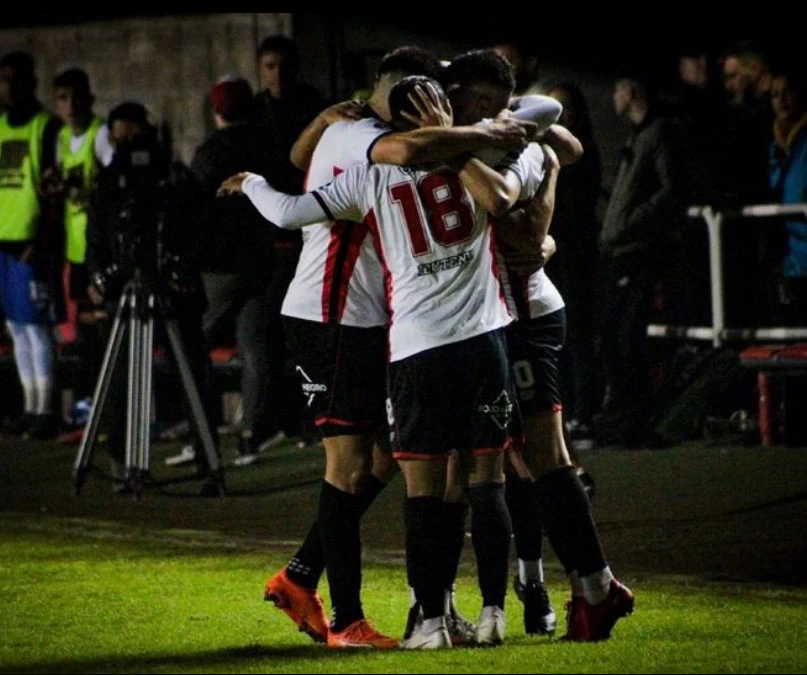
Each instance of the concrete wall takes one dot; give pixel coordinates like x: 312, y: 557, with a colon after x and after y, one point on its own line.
x: 166, y: 63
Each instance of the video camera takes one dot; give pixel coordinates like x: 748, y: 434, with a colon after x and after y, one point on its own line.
x: 141, y: 204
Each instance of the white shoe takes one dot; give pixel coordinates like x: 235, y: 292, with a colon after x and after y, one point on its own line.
x: 187, y: 456
x: 272, y: 442
x: 492, y: 628
x: 429, y: 637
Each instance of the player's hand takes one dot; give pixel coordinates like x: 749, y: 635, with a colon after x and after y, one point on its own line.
x: 433, y: 110
x: 511, y: 135
x: 349, y: 111
x: 233, y: 185
x: 529, y: 259
x: 52, y: 186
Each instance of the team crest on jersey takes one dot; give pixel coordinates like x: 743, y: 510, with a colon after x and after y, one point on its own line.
x: 501, y: 412
x: 310, y: 388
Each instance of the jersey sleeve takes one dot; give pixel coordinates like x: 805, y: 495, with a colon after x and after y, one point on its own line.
x: 362, y: 137
x: 529, y: 169
x: 339, y: 200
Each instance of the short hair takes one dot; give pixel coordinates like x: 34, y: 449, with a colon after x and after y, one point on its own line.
x: 410, y: 60
x: 481, y: 66
x: 644, y: 83
x: 399, y: 101
x: 129, y: 112
x: 281, y: 44
x: 22, y: 64
x: 75, y: 79
x: 747, y: 51
x: 796, y: 79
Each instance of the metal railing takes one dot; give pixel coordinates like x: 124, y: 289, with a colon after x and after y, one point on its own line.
x: 718, y: 334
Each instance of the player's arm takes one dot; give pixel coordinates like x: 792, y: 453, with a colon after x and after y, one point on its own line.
x: 303, y: 150
x: 566, y: 145
x: 434, y: 144
x: 339, y: 200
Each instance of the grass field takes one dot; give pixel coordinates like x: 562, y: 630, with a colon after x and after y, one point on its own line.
x: 99, y: 599
x: 704, y: 535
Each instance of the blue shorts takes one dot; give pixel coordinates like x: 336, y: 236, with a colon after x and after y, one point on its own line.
x: 26, y: 292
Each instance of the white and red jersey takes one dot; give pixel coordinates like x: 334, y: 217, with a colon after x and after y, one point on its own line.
x: 536, y: 296
x: 436, y: 247
x: 339, y: 277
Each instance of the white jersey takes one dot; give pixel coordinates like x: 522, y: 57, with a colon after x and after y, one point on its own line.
x: 537, y: 296
x: 436, y: 246
x: 339, y: 277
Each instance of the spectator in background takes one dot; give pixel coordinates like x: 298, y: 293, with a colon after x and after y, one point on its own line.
x: 789, y: 182
x: 525, y: 66
x: 286, y: 107
x: 574, y: 267
x: 237, y: 259
x: 82, y: 149
x: 744, y: 139
x: 645, y: 211
x: 29, y: 274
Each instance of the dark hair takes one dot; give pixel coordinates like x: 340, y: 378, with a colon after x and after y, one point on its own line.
x: 75, y: 79
x: 645, y: 83
x: 129, y: 112
x: 411, y: 60
x: 21, y: 63
x: 481, y: 66
x: 399, y: 102
x: 746, y: 50
x: 796, y: 79
x: 280, y: 44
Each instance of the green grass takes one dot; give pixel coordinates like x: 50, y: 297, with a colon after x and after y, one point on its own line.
x: 80, y: 598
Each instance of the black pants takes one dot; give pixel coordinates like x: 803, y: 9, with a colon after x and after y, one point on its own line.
x: 187, y: 312
x: 285, y: 400
x: 235, y: 298
x: 627, y: 286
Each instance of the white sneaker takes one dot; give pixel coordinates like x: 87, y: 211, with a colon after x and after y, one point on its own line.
x: 272, y: 442
x: 187, y: 456
x: 429, y: 637
x: 492, y: 628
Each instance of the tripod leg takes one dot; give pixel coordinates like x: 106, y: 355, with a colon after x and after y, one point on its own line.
x: 134, y: 393
x: 200, y: 420
x: 146, y: 389
x: 113, y: 349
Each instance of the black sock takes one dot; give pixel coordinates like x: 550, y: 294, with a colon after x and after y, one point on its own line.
x: 454, y: 520
x: 492, y: 531
x: 527, y: 529
x: 308, y: 565
x: 424, y: 543
x: 341, y: 540
x: 566, y: 515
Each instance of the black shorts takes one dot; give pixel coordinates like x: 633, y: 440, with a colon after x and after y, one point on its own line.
x: 457, y: 397
x: 535, y: 347
x: 343, y: 373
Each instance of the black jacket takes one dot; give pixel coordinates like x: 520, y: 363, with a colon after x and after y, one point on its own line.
x: 237, y: 239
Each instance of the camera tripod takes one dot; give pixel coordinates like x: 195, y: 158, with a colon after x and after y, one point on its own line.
x: 138, y: 309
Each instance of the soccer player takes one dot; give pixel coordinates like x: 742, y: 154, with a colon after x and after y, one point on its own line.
x: 447, y: 352
x: 336, y: 316
x: 28, y: 275
x: 479, y: 84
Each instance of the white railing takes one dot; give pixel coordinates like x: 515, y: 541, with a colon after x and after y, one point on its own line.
x: 719, y: 333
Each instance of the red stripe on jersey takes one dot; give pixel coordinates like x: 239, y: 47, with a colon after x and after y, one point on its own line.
x: 331, y: 265
x: 494, y: 255
x: 371, y: 222
x: 490, y: 452
x: 322, y: 421
x: 354, y: 238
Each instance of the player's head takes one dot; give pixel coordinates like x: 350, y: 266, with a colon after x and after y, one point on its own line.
x: 479, y: 85
x: 17, y: 79
x: 74, y: 98
x: 395, y: 66
x: 400, y: 101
